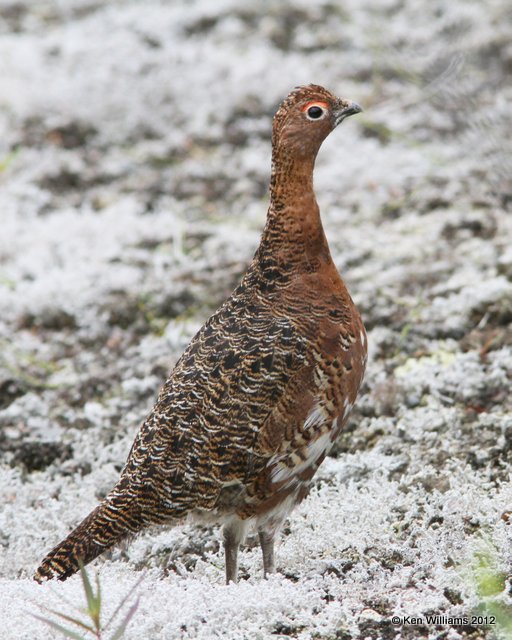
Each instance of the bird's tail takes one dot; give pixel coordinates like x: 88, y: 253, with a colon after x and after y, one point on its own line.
x: 114, y: 519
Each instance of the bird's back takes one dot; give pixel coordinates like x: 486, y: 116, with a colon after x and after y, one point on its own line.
x: 200, y: 436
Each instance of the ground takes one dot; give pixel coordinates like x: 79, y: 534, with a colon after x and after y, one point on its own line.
x: 134, y: 163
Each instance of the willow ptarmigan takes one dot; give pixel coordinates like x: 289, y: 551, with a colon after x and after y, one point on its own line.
x: 261, y: 393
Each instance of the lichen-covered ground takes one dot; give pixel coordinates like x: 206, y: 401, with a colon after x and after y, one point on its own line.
x: 134, y: 161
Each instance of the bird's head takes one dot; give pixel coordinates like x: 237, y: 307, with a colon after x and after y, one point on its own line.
x: 306, y: 117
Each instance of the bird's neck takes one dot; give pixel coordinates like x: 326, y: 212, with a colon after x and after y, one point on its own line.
x: 293, y: 239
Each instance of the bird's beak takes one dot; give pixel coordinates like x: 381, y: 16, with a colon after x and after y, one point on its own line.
x: 346, y: 109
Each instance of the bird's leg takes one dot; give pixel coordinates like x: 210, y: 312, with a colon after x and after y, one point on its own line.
x: 267, y: 548
x: 233, y: 534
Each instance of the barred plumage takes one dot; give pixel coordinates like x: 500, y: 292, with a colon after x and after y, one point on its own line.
x: 262, y: 391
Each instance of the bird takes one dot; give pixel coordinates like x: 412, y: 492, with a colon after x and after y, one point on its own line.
x: 264, y: 388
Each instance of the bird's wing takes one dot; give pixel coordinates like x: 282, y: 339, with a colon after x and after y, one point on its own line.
x: 205, y: 431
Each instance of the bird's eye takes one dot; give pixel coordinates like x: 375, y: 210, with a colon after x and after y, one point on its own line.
x: 315, y: 112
